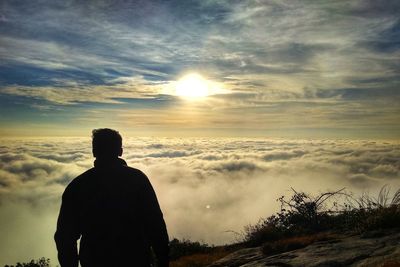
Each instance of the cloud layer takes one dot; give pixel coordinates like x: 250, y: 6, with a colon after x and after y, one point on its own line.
x: 335, y: 64
x: 206, y: 187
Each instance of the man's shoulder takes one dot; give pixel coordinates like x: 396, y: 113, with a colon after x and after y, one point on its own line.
x: 134, y: 173
x: 89, y: 176
x: 83, y: 176
x: 80, y: 179
x: 132, y: 170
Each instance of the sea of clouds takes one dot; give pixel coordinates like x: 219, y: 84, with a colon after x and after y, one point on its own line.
x: 208, y: 189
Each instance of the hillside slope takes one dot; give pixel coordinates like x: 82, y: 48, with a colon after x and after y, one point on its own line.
x: 378, y: 248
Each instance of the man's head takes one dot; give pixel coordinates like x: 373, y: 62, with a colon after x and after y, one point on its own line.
x: 106, y: 143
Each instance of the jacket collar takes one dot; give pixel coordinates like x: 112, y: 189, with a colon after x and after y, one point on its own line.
x: 109, y: 162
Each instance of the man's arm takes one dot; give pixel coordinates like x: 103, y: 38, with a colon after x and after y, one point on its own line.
x: 154, y: 224
x: 67, y: 231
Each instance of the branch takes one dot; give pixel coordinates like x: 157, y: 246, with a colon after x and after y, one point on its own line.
x: 323, y: 197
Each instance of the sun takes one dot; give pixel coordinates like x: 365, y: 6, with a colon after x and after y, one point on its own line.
x: 192, y: 86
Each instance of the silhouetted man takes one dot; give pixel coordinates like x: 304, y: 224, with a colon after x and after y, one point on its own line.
x: 114, y: 211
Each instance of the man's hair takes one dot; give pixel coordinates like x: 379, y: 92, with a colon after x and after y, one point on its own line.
x: 106, y: 143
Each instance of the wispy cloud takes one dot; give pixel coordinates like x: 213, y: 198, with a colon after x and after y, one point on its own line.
x: 264, y: 52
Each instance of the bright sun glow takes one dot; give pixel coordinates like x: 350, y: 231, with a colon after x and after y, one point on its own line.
x: 193, y: 86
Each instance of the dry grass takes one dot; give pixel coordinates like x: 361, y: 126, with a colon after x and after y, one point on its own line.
x: 297, y: 242
x: 391, y: 263
x: 200, y: 259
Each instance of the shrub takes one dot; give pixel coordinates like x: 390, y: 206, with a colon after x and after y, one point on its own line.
x: 185, y: 247
x: 304, y: 215
x: 257, y: 234
x: 386, y: 217
x: 299, y: 215
x: 369, y: 213
x: 42, y: 262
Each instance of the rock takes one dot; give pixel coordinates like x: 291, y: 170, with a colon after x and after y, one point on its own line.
x: 240, y: 257
x: 367, y: 250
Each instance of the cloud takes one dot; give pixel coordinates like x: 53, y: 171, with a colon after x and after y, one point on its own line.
x: 67, y: 93
x: 236, y: 166
x: 310, y: 44
x: 304, y: 65
x: 238, y: 179
x: 282, y: 155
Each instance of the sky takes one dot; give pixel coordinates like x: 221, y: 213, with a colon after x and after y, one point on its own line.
x: 285, y: 69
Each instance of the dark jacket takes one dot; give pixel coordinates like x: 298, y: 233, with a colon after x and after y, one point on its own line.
x: 113, y: 209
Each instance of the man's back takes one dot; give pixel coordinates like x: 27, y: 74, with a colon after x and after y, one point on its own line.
x: 115, y: 210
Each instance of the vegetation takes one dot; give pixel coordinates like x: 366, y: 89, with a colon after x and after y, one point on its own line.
x: 296, y: 242
x: 304, y: 219
x: 42, y: 262
x: 184, y: 253
x: 200, y: 259
x: 181, y: 248
x: 391, y: 263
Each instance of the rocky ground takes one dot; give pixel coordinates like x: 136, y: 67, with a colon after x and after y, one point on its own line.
x: 378, y: 248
